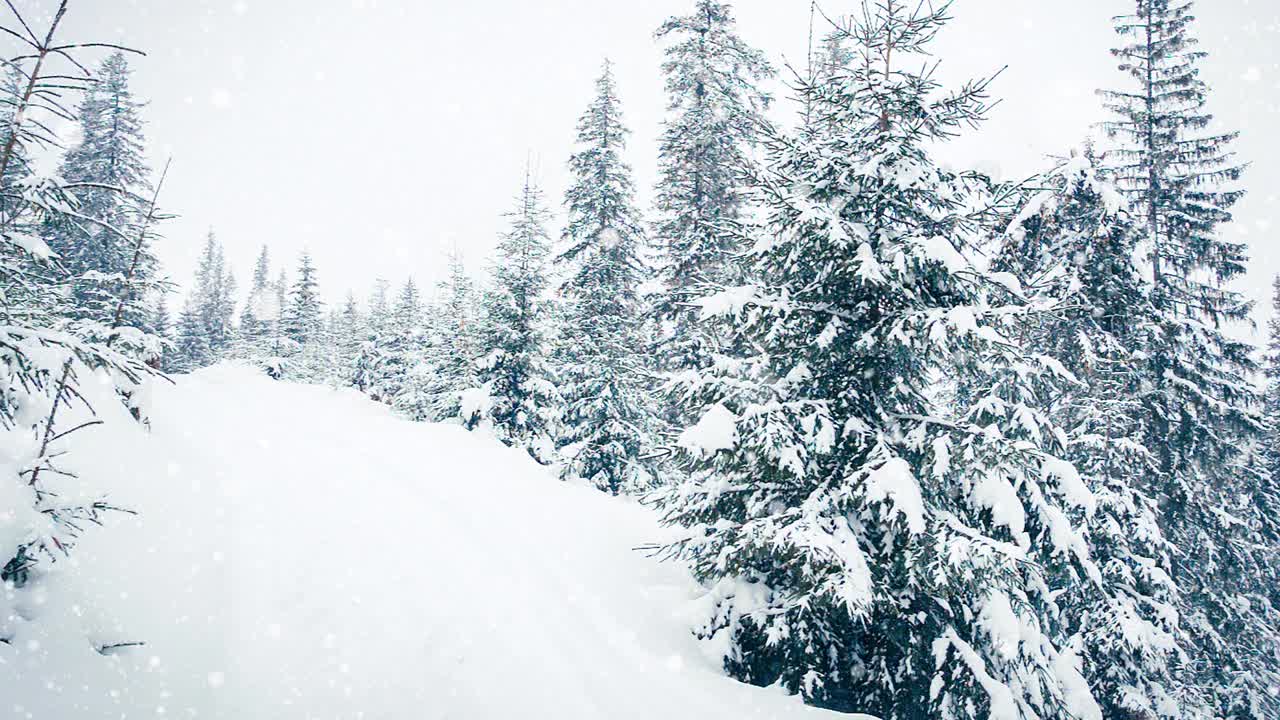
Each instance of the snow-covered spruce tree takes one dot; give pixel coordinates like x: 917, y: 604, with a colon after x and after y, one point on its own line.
x: 1272, y: 443
x: 108, y: 173
x: 50, y: 371
x: 1181, y: 179
x: 205, y: 332
x: 221, y: 320
x: 255, y: 330
x: 347, y: 328
x: 316, y: 359
x: 280, y: 342
x: 520, y: 401
x: 161, y: 325
x: 303, y: 315
x: 191, y: 341
x: 1076, y: 241
x: 408, y: 368
x: 873, y: 497
x: 370, y: 358
x: 453, y: 345
x: 600, y: 365
x: 714, y: 110
x: 1267, y: 608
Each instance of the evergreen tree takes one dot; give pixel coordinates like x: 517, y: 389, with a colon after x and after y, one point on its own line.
x: 49, y: 366
x: 315, y: 361
x: 303, y: 315
x: 600, y: 369
x: 400, y: 350
x: 191, y: 341
x: 281, y: 343
x: 108, y: 169
x: 205, y: 332
x: 873, y: 493
x: 161, y: 325
x: 13, y: 85
x: 1075, y: 242
x: 371, y: 356
x: 347, y: 330
x: 1181, y: 179
x: 453, y: 343
x: 521, y: 400
x: 1272, y: 370
x: 258, y: 312
x: 714, y: 111
x: 408, y: 371
x: 215, y: 292
x: 222, y: 329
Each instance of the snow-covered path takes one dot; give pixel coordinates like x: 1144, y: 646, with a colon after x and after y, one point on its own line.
x: 301, y: 553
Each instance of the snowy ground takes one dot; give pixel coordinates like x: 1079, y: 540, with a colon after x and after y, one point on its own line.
x: 301, y: 553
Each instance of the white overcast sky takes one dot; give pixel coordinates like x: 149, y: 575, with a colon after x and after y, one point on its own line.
x: 381, y: 133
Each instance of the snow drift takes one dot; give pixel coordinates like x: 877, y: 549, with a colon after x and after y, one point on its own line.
x: 301, y: 553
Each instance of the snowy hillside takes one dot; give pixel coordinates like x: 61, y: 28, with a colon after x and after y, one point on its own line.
x: 300, y: 553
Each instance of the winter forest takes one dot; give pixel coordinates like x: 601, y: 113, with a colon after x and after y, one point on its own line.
x: 824, y: 425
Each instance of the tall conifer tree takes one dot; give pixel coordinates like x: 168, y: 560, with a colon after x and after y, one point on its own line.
x: 205, y: 331
x: 1182, y: 179
x: 522, y: 400
x: 454, y: 345
x: 259, y: 311
x: 348, y: 328
x: 304, y: 313
x: 49, y: 366
x: 1075, y: 242
x: 109, y: 168
x: 407, y: 368
x: 371, y: 356
x: 873, y: 494
x: 714, y: 110
x: 600, y: 373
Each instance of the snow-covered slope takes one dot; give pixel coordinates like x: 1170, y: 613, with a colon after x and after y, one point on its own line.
x: 300, y: 553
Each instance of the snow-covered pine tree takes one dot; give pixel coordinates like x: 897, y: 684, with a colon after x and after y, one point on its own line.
x: 600, y: 365
x: 161, y: 325
x: 370, y: 359
x: 281, y: 344
x: 221, y: 321
x: 1272, y: 361
x: 520, y: 401
x: 205, y: 332
x: 1181, y: 179
x: 873, y: 497
x: 347, y: 329
x: 1267, y: 608
x: 304, y: 313
x: 44, y: 363
x: 108, y: 172
x: 1074, y: 240
x: 715, y: 108
x: 316, y: 359
x: 215, y: 289
x: 1272, y: 441
x: 191, y: 340
x: 454, y: 346
x: 408, y: 370
x: 258, y: 312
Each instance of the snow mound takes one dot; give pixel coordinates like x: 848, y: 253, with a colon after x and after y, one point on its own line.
x: 301, y: 553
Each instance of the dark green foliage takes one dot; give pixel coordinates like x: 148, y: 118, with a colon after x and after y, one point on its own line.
x: 1182, y: 181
